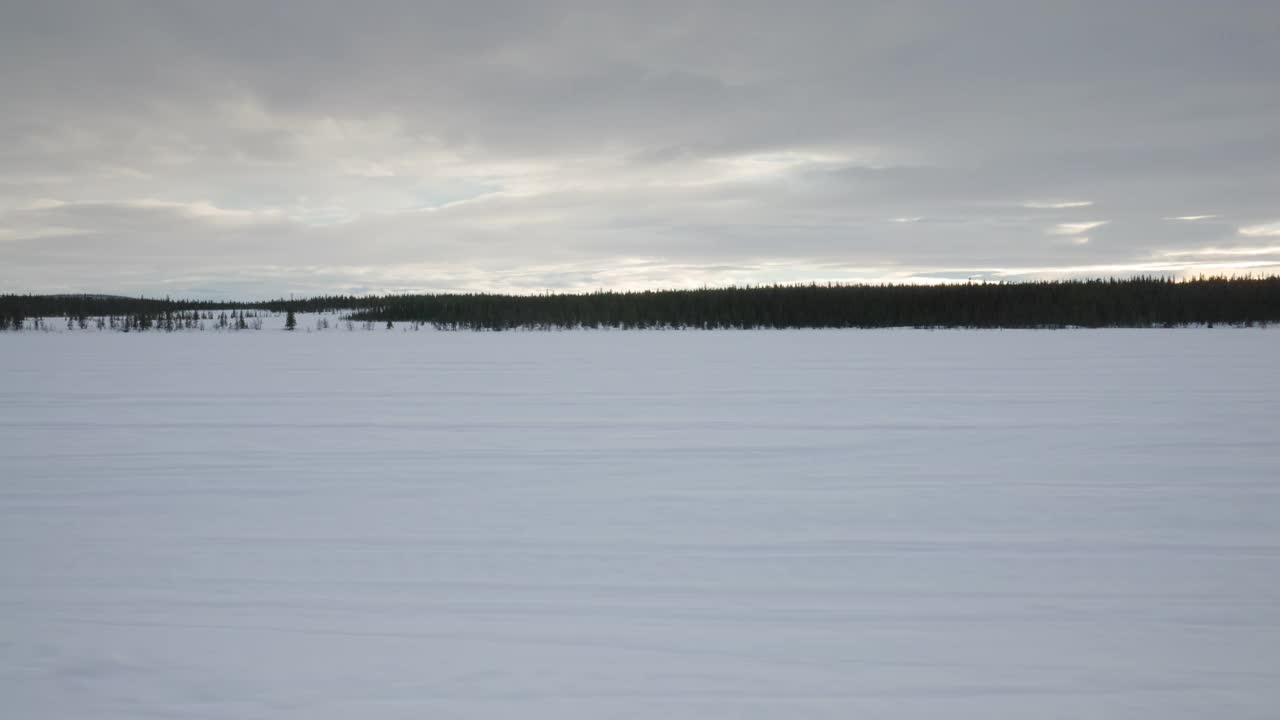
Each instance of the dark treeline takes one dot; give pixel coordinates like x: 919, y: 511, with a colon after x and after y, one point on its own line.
x: 125, y: 313
x: 1136, y: 302
x: 118, y: 305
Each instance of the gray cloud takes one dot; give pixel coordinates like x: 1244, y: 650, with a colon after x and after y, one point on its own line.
x: 235, y: 147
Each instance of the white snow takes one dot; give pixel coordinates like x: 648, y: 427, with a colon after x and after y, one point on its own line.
x: 888, y: 524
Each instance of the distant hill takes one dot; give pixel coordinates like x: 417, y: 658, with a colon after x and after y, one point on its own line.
x: 86, y: 296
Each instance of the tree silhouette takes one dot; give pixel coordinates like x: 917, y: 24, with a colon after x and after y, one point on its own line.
x: 1133, y: 302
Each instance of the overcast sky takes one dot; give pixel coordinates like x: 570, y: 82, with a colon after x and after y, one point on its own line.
x: 259, y: 148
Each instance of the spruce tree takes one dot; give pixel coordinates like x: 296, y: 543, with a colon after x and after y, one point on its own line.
x: 290, y: 322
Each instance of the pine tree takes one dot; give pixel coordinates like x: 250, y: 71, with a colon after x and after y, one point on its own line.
x: 290, y: 322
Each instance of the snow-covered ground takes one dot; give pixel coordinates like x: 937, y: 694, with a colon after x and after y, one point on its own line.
x: 896, y: 524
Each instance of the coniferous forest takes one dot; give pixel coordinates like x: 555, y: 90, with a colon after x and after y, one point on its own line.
x: 1135, y: 302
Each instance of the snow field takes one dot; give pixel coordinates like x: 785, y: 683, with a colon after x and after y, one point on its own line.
x: 812, y: 524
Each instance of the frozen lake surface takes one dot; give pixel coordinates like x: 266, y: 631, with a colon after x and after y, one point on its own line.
x: 818, y: 524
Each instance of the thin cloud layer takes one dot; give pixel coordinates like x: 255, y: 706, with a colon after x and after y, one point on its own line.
x: 238, y: 148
